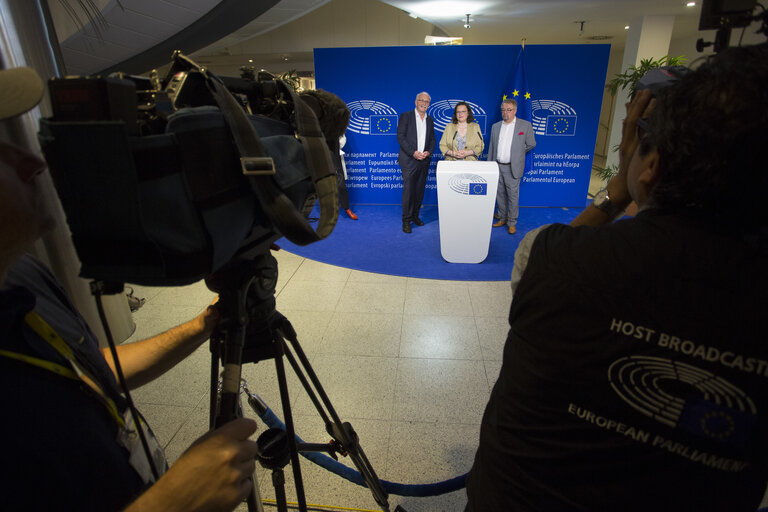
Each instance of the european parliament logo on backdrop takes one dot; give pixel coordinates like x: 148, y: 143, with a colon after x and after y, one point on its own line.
x: 371, y: 117
x: 468, y: 184
x: 442, y: 112
x: 551, y: 117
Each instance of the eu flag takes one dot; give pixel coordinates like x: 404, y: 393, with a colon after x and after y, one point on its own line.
x: 383, y: 125
x: 521, y: 93
x: 730, y: 428
x: 561, y: 125
x: 519, y: 90
x: 478, y: 189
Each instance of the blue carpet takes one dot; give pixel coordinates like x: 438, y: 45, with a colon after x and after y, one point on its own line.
x: 376, y: 243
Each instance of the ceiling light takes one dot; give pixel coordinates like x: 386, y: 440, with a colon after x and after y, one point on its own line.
x: 446, y: 9
x: 626, y: 27
x: 691, y: 4
x: 441, y: 41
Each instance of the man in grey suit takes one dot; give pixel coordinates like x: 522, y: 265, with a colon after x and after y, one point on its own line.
x: 416, y: 136
x: 511, y: 139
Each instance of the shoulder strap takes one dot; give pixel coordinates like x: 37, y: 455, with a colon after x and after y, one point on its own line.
x: 258, y: 166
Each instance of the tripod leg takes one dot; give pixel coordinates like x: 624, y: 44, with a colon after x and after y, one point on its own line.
x: 341, y: 432
x: 293, y: 448
x: 278, y: 482
x: 246, y: 299
x: 225, y: 407
x: 215, y: 346
x: 254, y: 497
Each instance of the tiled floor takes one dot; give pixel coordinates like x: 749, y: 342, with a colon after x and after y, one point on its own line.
x: 408, y: 362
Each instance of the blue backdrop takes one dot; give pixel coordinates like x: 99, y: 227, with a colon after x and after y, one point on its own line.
x: 565, y: 83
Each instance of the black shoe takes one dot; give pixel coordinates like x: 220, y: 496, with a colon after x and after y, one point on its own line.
x: 418, y: 221
x: 406, y: 227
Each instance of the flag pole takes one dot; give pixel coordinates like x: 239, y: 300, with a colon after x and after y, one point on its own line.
x: 523, y: 43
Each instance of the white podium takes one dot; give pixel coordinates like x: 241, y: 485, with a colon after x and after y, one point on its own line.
x: 466, y: 196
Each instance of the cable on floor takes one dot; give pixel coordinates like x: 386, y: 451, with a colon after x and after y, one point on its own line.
x: 324, y: 461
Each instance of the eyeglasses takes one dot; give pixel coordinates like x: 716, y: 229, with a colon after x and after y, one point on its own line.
x: 508, y: 109
x: 462, y: 112
x: 423, y: 101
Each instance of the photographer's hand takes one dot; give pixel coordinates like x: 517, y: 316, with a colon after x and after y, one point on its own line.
x: 208, y: 319
x: 641, y: 106
x: 214, y: 474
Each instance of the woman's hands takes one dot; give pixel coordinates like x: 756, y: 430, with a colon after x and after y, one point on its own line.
x: 461, y: 153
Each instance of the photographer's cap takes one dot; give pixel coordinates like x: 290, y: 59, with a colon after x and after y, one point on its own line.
x: 20, y: 90
x: 657, y: 79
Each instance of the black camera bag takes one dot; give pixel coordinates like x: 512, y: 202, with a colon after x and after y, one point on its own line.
x: 169, y: 209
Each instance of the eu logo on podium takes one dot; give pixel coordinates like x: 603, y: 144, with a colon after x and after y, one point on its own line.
x: 478, y: 189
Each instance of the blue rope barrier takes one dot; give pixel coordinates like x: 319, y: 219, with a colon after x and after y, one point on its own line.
x: 324, y: 461
x: 412, y: 490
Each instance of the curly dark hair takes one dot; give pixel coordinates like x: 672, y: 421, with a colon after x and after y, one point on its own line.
x: 470, y: 117
x: 710, y: 130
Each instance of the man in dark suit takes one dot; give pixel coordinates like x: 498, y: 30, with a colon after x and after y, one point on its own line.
x: 511, y: 139
x: 416, y: 136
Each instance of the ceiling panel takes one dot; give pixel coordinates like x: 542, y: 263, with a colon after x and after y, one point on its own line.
x: 149, y: 22
x: 201, y: 6
x: 135, y: 27
x: 176, y: 15
x: 284, y: 12
x: 86, y: 60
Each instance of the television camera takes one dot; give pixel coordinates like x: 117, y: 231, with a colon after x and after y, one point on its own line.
x: 166, y: 182
x: 725, y: 15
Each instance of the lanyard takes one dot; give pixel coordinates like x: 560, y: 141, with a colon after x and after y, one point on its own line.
x: 78, y: 372
x: 127, y: 434
x: 41, y: 363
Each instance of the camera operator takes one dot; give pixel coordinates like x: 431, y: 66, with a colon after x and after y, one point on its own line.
x: 68, y: 443
x: 635, y: 371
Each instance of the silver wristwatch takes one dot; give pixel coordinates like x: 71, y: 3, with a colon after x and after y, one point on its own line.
x: 603, y: 203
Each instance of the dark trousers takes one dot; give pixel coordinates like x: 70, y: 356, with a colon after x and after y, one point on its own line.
x: 414, y: 181
x: 341, y: 183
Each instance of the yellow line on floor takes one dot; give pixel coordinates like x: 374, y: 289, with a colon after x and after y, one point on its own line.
x: 326, y: 507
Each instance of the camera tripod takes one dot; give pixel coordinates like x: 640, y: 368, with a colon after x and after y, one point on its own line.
x: 252, y: 330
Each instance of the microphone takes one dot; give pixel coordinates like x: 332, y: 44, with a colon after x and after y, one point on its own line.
x: 331, y: 112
